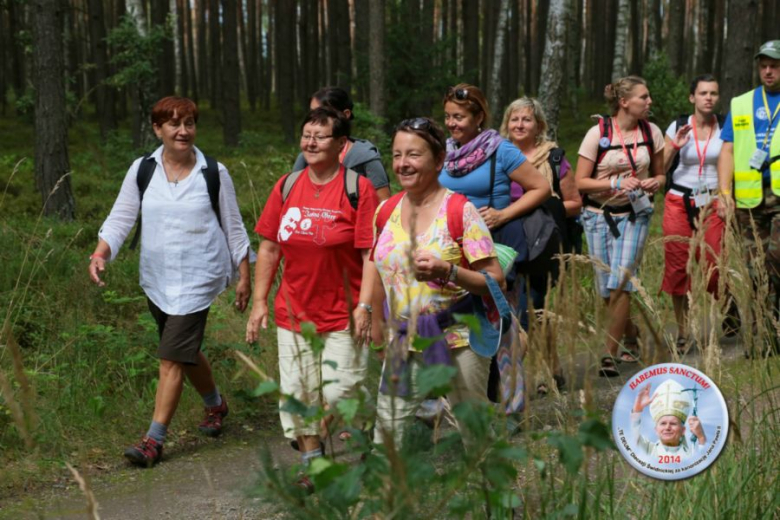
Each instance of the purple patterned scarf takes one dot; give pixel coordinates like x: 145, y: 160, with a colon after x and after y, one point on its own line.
x: 464, y: 159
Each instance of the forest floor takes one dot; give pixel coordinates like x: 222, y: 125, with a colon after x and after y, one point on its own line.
x: 214, y: 478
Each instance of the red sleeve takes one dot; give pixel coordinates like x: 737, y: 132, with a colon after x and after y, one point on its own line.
x: 268, y: 223
x: 364, y: 221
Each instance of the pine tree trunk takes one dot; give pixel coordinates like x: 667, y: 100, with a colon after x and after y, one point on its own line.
x: 362, y: 36
x: 738, y: 53
x: 231, y: 109
x: 619, y: 65
x: 498, y: 56
x: 52, y: 166
x: 4, y: 46
x: 653, y: 17
x: 284, y: 14
x: 192, y: 73
x: 142, y: 95
x: 178, y: 48
x: 770, y: 20
x: 253, y: 46
x: 344, y: 45
x: 719, y: 38
x: 104, y: 93
x: 553, y: 69
x: 574, y: 46
x: 636, y: 36
x: 204, y: 87
x: 376, y: 51
x: 675, y: 39
x: 166, y: 60
x: 242, y: 48
x: 470, y: 13
x: 16, y: 27
x: 215, y: 56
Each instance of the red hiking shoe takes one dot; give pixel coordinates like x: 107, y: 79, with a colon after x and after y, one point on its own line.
x: 212, y: 424
x: 146, y: 453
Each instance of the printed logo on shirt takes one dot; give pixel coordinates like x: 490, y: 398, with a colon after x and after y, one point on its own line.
x: 670, y: 421
x: 761, y: 114
x: 289, y: 224
x: 741, y: 122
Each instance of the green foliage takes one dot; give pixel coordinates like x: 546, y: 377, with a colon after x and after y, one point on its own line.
x: 135, y: 55
x: 669, y: 93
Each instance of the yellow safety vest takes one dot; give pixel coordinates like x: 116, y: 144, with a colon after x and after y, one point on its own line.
x: 747, y: 182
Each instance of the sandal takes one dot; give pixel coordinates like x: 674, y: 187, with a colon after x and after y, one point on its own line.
x: 608, y: 366
x: 628, y: 355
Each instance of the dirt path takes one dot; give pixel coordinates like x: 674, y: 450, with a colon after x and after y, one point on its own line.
x: 213, y: 480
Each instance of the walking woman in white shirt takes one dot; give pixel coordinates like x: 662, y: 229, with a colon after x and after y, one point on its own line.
x: 192, y: 244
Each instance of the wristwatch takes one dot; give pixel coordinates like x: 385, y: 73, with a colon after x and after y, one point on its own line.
x: 365, y: 306
x: 453, y: 274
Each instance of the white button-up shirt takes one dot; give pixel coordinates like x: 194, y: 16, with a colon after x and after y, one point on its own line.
x: 187, y: 259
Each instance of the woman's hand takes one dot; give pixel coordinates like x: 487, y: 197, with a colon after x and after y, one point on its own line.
x: 629, y: 183
x: 97, y: 265
x: 650, y: 185
x: 643, y: 399
x: 427, y: 267
x: 258, y: 318
x: 243, y: 290
x: 493, y: 217
x: 694, y: 425
x: 362, y: 320
x: 682, y: 136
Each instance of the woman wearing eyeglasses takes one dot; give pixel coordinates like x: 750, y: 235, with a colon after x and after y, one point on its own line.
x: 311, y: 224
x: 359, y: 155
x: 482, y: 165
x: 426, y: 274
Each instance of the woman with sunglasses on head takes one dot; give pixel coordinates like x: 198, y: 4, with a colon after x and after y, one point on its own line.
x: 525, y: 126
x: 482, y: 165
x: 311, y: 224
x: 427, y: 274
x: 358, y: 154
x: 695, y: 141
x: 620, y: 167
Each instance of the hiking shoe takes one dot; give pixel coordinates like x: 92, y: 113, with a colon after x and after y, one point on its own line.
x: 212, y: 424
x: 146, y: 453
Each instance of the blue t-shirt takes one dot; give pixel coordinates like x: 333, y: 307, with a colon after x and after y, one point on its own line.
x: 760, y: 120
x: 475, y: 185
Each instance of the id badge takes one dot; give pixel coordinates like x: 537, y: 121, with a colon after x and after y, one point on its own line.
x: 639, y: 201
x: 758, y: 159
x: 701, y: 196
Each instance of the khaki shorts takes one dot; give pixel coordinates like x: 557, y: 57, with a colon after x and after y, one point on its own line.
x: 180, y: 336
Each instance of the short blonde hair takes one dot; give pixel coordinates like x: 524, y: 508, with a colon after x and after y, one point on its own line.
x: 620, y: 89
x: 536, y: 109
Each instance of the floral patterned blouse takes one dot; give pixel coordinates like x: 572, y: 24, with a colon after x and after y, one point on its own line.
x: 404, y: 293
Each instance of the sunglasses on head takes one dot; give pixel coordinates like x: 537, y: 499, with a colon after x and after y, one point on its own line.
x: 461, y: 94
x: 418, y: 123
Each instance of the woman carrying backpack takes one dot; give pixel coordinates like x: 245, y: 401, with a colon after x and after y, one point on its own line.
x: 325, y: 242
x: 694, y: 143
x: 620, y: 167
x: 358, y: 154
x: 431, y: 245
x: 525, y: 126
x: 482, y: 165
x: 192, y: 245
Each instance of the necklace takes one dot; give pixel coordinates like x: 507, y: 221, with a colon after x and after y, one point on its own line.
x: 319, y: 185
x: 168, y: 165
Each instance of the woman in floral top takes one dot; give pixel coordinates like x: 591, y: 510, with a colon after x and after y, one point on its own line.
x: 426, y: 277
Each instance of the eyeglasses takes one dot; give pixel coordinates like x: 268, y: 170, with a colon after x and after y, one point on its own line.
x: 319, y: 139
x: 461, y: 94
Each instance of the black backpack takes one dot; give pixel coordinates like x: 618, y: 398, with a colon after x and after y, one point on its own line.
x: 682, y: 121
x: 350, y: 185
x: 144, y: 177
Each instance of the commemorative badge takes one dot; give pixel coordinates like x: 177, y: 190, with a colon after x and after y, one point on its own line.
x: 670, y: 421
x: 604, y: 142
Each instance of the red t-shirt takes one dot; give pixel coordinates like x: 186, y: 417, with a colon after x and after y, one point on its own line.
x: 320, y: 236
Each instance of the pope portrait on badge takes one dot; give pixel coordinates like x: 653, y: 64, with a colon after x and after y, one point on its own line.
x: 670, y: 410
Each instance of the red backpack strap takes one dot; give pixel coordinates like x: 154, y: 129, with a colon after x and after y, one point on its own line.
x: 647, y: 136
x: 455, y: 206
x: 605, y: 131
x: 383, y: 215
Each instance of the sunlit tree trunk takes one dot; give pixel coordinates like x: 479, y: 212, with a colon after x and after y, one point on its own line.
x: 498, y: 57
x: 619, y: 65
x: 553, y: 69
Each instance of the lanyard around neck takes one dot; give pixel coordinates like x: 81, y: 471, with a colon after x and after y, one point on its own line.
x: 702, y: 154
x: 631, y: 157
x: 771, y: 118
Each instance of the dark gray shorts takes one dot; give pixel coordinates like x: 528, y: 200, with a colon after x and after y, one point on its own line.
x: 180, y: 336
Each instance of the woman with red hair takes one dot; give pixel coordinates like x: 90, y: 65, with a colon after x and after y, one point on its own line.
x: 192, y: 246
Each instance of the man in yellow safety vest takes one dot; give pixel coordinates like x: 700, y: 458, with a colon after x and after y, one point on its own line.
x: 749, y: 163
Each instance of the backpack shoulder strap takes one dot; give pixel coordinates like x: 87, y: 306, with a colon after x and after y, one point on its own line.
x: 143, y: 177
x: 605, y: 131
x: 556, y: 160
x: 455, y: 206
x: 386, y: 210
x: 647, y: 135
x: 289, y: 181
x: 351, y: 188
x: 211, y: 174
